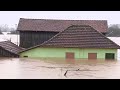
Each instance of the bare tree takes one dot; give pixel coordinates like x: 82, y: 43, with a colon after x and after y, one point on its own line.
x: 6, y: 28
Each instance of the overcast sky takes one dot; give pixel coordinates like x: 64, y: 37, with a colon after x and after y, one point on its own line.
x: 12, y: 17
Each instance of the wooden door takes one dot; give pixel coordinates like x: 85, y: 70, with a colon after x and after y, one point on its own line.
x: 70, y: 55
x: 92, y: 55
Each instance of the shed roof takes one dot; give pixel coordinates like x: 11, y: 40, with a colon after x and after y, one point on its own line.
x: 58, y: 25
x: 79, y: 36
x: 11, y: 47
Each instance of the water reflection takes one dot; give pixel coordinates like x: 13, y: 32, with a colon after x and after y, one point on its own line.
x: 25, y: 68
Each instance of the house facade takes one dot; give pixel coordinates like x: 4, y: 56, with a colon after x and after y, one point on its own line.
x: 70, y: 53
x: 75, y: 42
x: 36, y: 31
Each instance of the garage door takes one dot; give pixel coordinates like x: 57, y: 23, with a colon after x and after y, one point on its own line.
x: 92, y: 55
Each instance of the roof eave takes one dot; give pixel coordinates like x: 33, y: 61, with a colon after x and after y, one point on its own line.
x: 68, y: 47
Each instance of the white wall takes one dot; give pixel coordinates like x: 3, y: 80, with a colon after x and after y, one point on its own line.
x: 117, y: 41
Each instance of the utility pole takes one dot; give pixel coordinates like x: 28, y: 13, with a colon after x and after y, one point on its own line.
x: 16, y: 33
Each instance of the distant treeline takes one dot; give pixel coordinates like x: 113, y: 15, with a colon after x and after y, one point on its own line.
x: 113, y: 30
x: 5, y: 28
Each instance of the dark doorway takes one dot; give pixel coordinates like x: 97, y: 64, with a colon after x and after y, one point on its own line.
x: 25, y: 56
x: 92, y: 55
x: 70, y: 55
x: 109, y: 56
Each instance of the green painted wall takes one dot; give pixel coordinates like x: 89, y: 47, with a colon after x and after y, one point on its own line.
x: 60, y: 52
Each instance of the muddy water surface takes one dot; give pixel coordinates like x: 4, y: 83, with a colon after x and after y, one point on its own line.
x: 15, y: 68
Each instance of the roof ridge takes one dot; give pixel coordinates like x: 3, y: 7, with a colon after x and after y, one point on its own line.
x: 61, y: 32
x: 55, y: 36
x: 64, y: 19
x: 57, y: 25
x: 75, y: 26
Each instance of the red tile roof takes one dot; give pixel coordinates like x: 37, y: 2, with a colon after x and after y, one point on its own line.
x: 79, y: 36
x: 58, y: 25
x: 11, y: 47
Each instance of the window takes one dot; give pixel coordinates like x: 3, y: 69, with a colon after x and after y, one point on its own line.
x: 109, y: 56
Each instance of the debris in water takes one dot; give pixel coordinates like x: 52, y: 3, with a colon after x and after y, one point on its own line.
x: 65, y: 73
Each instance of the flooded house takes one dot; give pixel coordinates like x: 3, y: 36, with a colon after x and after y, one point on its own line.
x: 75, y: 42
x: 9, y: 49
x: 36, y: 31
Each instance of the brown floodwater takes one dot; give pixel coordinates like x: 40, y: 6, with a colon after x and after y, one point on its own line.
x: 24, y: 68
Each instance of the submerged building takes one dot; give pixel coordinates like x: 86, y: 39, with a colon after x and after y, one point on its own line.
x: 36, y: 31
x: 74, y: 42
x: 9, y: 49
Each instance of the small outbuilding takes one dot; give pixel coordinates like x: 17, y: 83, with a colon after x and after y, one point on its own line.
x: 9, y: 49
x: 75, y: 42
